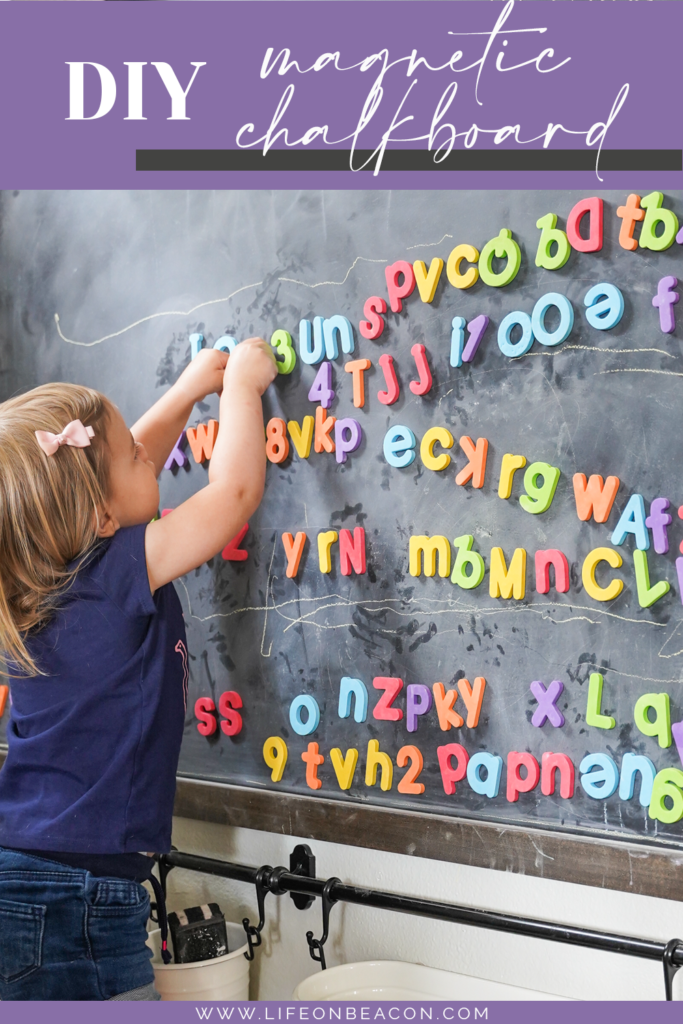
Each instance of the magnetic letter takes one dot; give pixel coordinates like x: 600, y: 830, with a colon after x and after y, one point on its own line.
x: 431, y: 546
x: 590, y: 564
x: 427, y: 281
x: 552, y: 763
x: 304, y: 702
x: 323, y: 428
x: 397, y: 292
x: 594, y: 703
x: 504, y: 582
x: 655, y: 215
x: 294, y: 549
x: 418, y: 702
x: 472, y: 697
x: 352, y: 552
x: 469, y: 578
x: 325, y: 542
x: 449, y: 775
x: 475, y: 470
x: 383, y: 710
x: 604, y: 306
x: 600, y: 784
x: 668, y: 783
x: 344, y: 767
x: 433, y: 436
x: 592, y: 207
x: 348, y: 436
x: 493, y: 765
x: 546, y: 703
x: 630, y: 214
x: 632, y: 520
x: 357, y: 687
x: 444, y: 702
x: 515, y: 783
x: 374, y: 325
x: 376, y: 760
x: 538, y: 499
x: 312, y: 759
x: 543, y: 560
x: 275, y: 756
x: 632, y: 764
x: 389, y: 396
x: 424, y: 383
x: 302, y: 436
x: 550, y: 235
x: 594, y: 498
x: 665, y: 300
x: 357, y: 367
x: 508, y: 467
x: 661, y: 726
x: 399, y: 446
x: 203, y: 709
x: 201, y: 439
x: 233, y: 719
x: 647, y: 595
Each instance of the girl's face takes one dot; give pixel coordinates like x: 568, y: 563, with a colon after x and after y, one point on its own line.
x: 133, y: 489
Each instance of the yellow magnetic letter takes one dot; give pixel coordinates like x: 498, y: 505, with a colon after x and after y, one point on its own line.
x: 445, y: 439
x: 430, y: 546
x: 504, y: 582
x: 325, y: 542
x: 593, y: 590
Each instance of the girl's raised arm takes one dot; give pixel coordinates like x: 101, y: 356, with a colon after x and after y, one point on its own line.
x: 160, y: 427
x: 202, y: 526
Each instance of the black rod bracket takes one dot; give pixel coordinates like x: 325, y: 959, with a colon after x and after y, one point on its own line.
x: 302, y: 862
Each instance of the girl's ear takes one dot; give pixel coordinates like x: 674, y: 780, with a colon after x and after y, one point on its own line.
x: 107, y: 524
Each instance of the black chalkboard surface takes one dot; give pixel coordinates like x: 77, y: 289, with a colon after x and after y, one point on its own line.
x: 132, y: 276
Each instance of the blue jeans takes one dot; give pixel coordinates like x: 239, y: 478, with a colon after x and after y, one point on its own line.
x: 65, y: 934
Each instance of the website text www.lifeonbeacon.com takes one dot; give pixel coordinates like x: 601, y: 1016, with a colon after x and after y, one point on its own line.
x: 343, y: 1012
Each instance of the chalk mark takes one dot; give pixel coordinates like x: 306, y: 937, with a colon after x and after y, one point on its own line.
x: 633, y: 369
x: 265, y: 618
x: 152, y: 316
x: 319, y: 284
x: 427, y: 245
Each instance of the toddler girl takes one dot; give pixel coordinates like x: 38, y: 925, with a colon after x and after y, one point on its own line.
x: 94, y: 641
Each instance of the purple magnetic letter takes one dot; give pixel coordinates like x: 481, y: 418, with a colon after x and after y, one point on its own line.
x: 546, y: 704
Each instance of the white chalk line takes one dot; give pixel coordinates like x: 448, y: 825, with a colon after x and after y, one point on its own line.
x: 633, y: 369
x: 320, y: 284
x: 153, y: 316
x: 594, y: 616
x: 604, y: 351
x: 427, y: 245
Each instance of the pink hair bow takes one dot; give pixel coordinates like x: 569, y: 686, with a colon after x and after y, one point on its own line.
x: 74, y: 434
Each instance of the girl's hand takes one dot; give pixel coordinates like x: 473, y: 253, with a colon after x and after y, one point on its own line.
x: 252, y: 364
x: 204, y: 375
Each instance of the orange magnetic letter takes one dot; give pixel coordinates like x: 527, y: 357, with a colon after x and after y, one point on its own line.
x: 201, y: 439
x: 629, y: 215
x: 357, y: 367
x: 475, y: 470
x: 312, y: 759
x: 472, y: 696
x: 444, y: 702
x: 323, y: 426
x: 594, y: 498
x: 294, y: 549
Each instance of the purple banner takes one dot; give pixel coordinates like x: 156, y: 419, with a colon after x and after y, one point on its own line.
x: 330, y: 1012
x: 341, y: 95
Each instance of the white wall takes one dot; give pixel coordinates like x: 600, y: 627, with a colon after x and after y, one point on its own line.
x: 359, y: 933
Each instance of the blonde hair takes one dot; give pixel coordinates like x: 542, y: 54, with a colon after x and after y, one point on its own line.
x: 49, y: 507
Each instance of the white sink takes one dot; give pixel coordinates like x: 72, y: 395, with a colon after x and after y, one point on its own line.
x: 392, y: 979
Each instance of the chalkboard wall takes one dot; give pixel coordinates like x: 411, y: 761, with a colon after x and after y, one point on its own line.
x: 133, y: 275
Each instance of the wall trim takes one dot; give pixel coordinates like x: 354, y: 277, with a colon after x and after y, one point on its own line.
x: 637, y: 867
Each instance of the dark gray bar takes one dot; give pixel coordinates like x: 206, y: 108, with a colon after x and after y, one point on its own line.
x: 408, y: 160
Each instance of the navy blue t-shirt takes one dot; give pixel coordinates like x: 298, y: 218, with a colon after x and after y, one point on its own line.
x: 94, y: 744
